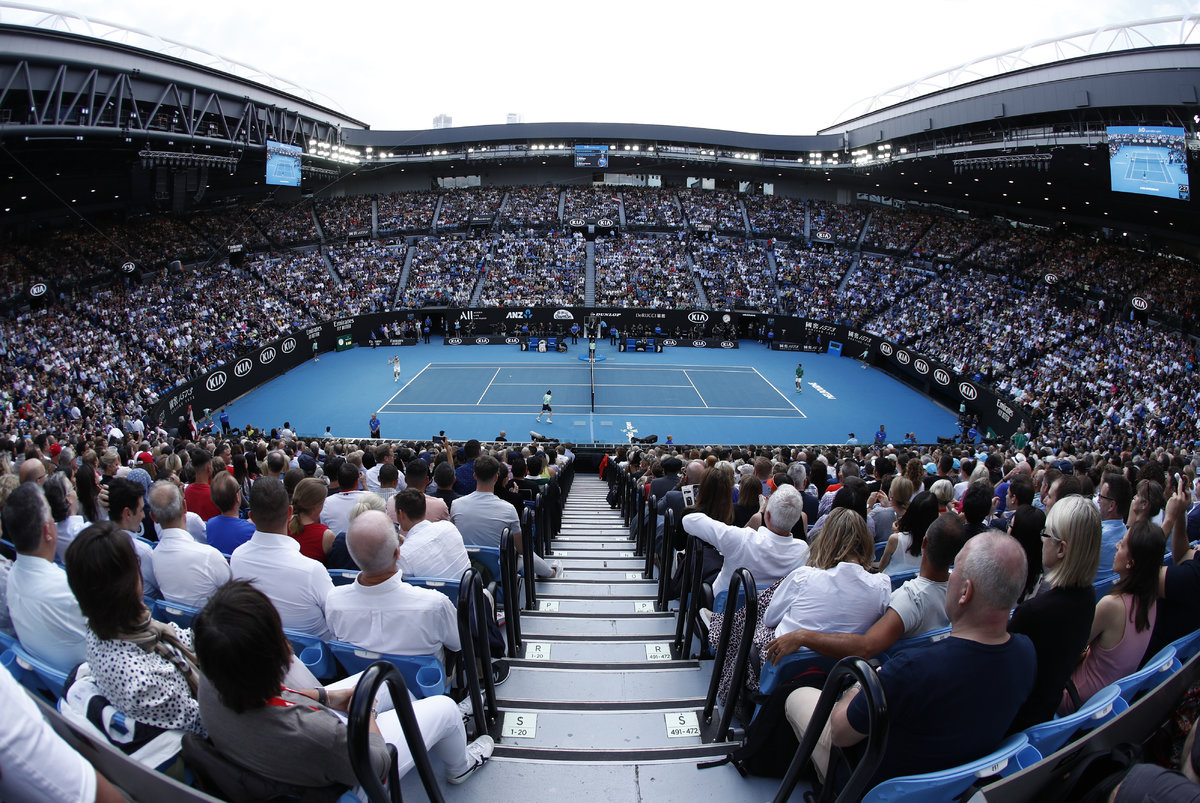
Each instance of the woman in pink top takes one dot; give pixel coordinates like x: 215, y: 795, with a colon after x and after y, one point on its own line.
x: 1124, y: 617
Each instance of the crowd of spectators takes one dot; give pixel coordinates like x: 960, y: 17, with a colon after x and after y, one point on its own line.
x: 1010, y: 250
x: 303, y: 278
x: 369, y: 273
x: 895, y: 231
x: 734, y: 273
x: 650, y: 272
x: 949, y: 238
x: 527, y: 271
x: 876, y: 281
x: 720, y: 210
x: 591, y: 203
x: 1167, y: 282
x: 288, y: 224
x: 651, y: 209
x: 808, y: 281
x: 531, y: 208
x: 774, y: 216
x: 835, y: 223
x: 443, y: 272
x: 459, y: 206
x: 405, y: 211
x: 340, y: 216
x: 230, y: 226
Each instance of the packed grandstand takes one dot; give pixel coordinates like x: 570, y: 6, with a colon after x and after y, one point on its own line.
x: 137, y: 521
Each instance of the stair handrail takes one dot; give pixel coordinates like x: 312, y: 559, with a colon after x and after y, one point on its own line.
x: 527, y: 551
x: 877, y: 730
x: 508, y: 576
x: 695, y: 580
x: 742, y: 580
x: 640, y: 529
x: 472, y: 633
x: 685, y: 586
x: 358, y: 736
x: 646, y: 534
x: 666, y: 554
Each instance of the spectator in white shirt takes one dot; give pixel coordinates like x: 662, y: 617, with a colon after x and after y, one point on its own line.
x: 384, y: 456
x: 188, y: 572
x: 271, y: 560
x: 336, y: 513
x: 44, y: 612
x: 429, y: 548
x: 381, y: 613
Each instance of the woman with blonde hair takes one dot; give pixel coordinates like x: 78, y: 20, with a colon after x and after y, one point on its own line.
x: 307, y: 502
x: 1058, y: 619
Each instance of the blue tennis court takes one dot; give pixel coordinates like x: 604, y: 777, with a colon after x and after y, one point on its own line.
x: 745, y: 395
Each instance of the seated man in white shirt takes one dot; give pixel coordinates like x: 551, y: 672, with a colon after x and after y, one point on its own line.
x: 336, y: 513
x: 378, y: 611
x: 384, y: 454
x: 429, y: 548
x: 916, y: 607
x: 297, y: 585
x: 127, y: 507
x: 770, y: 552
x: 416, y: 476
x: 188, y: 572
x: 43, y: 609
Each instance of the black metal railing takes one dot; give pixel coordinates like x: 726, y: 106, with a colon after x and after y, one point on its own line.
x: 472, y: 632
x: 742, y: 581
x: 688, y: 624
x: 358, y: 735
x: 510, y: 583
x: 843, y: 671
x: 666, y: 558
x: 527, y: 552
x: 647, y: 525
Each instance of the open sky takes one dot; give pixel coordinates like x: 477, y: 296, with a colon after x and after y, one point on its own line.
x: 771, y: 67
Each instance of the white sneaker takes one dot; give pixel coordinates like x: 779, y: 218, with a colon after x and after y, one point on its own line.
x: 557, y: 566
x: 478, y: 752
x: 465, y: 708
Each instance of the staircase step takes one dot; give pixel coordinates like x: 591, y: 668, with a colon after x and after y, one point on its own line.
x: 610, y: 735
x: 569, y: 586
x: 664, y: 684
x: 636, y: 605
x: 638, y: 626
x: 582, y: 572
x: 597, y: 654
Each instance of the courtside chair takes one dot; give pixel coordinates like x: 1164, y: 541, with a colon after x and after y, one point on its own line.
x: 1100, y: 708
x: 1014, y: 755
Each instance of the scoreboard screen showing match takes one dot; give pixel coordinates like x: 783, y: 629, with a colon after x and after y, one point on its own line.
x: 283, y: 164
x: 1149, y: 160
x: 591, y: 156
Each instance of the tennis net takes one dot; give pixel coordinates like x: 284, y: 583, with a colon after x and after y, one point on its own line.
x: 592, y: 373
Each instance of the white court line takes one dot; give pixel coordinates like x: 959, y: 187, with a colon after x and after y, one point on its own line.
x: 582, y: 385
x: 599, y: 367
x: 601, y: 411
x: 698, y: 393
x: 584, y: 407
x: 780, y: 392
x: 489, y: 384
x: 402, y: 387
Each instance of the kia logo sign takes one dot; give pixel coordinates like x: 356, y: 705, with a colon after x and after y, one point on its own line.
x: 576, y: 222
x: 725, y: 344
x: 670, y: 343
x: 1140, y: 304
x: 266, y: 355
x: 605, y: 222
x: 38, y: 289
x: 699, y: 344
x: 216, y: 381
x: 289, y: 345
x: 454, y: 341
x: 824, y: 235
x: 512, y: 341
x: 1051, y: 278
x: 902, y: 357
x: 968, y: 391
x: 482, y: 341
x: 128, y: 267
x: 885, y: 349
x: 941, y: 376
x: 242, y: 368
x: 921, y: 366
x: 698, y: 317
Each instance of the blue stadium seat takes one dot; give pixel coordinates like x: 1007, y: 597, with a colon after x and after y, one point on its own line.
x: 1014, y: 755
x: 792, y: 667
x: 424, y: 674
x: 1104, y: 585
x: 313, y: 653
x: 36, y: 674
x: 902, y: 578
x: 879, y: 548
x: 719, y: 601
x: 1156, y: 670
x: 1186, y: 646
x: 1100, y: 707
x: 916, y: 641
x: 447, y: 587
x: 551, y: 344
x: 181, y: 615
x: 489, y: 558
x: 343, y: 577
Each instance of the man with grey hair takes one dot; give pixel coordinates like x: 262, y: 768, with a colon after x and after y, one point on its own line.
x: 951, y: 701
x: 770, y: 552
x: 43, y: 608
x: 378, y: 611
x: 187, y: 572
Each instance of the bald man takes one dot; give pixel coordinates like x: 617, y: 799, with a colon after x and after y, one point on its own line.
x: 951, y: 701
x: 378, y: 611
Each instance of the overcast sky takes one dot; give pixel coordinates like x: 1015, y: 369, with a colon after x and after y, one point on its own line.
x: 771, y: 67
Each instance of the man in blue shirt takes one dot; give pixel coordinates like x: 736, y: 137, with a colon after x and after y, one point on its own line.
x: 881, y: 436
x: 374, y: 426
x: 224, y: 422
